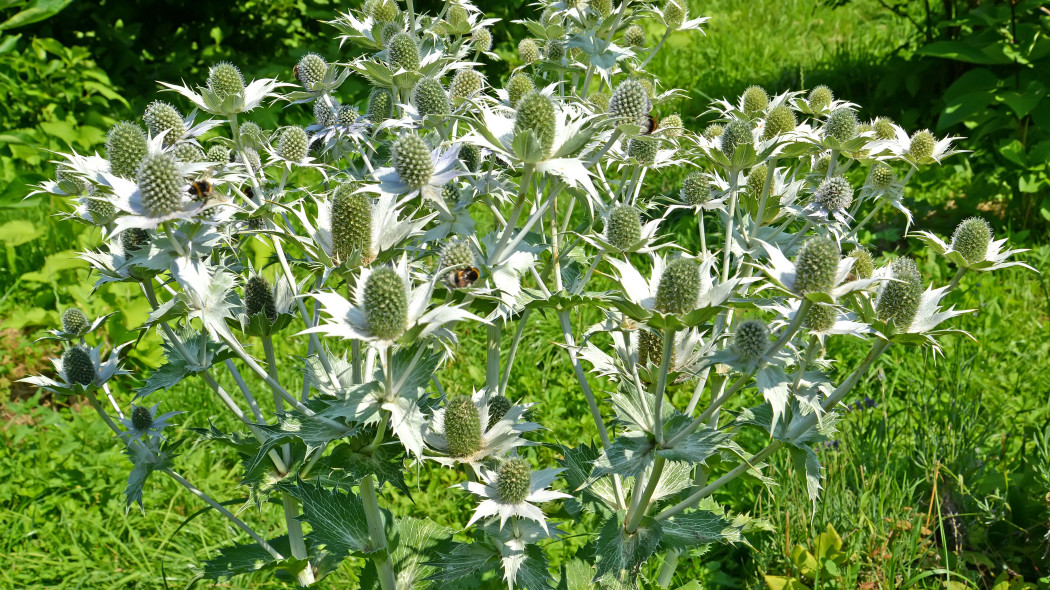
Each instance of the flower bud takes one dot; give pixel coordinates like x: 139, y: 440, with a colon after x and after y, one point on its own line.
x: 252, y: 136
x: 457, y: 15
x: 821, y: 317
x: 842, y: 124
x: 883, y: 127
x: 624, y: 227
x: 74, y: 321
x: 674, y: 14
x: 456, y: 255
x: 513, y: 481
x: 834, y: 194
x: 599, y: 100
x: 735, y: 133
x: 141, y: 419
x: 755, y: 100
x: 634, y: 36
x: 816, y: 266
x: 498, y: 408
x: 387, y: 32
x: 751, y: 339
x: 482, y: 40
x: 899, y: 299
x: 550, y: 17
x: 411, y: 159
x: 188, y: 153
x: 604, y: 7
x: 462, y: 426
x: 346, y: 115
x: 323, y: 114
x: 78, y: 366
x: 518, y: 86
x: 821, y: 165
x: 258, y: 298
x: 713, y: 130
x: 780, y: 120
x: 250, y: 157
x: 971, y: 239
x: 863, y: 265
x: 922, y: 145
x: 464, y: 84
x: 380, y: 105
x: 386, y: 303
x: 429, y: 98
x: 160, y: 117
x: 404, y: 52
x: 351, y: 222
x: 679, y: 287
x: 536, y: 114
x: 528, y: 52
x: 126, y: 145
x: 224, y: 79
x: 672, y: 125
x: 385, y: 11
x: 554, y: 50
x: 471, y: 157
x: 696, y: 189
x: 820, y: 98
x: 218, y: 153
x: 132, y: 240
x: 756, y: 179
x: 100, y: 210
x: 293, y: 144
x: 160, y: 184
x: 643, y: 150
x: 630, y: 101
x: 882, y: 175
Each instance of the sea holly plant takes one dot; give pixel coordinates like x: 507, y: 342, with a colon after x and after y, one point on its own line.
x: 450, y: 200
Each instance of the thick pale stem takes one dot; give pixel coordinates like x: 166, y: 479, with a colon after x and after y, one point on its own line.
x: 642, y: 505
x: 374, y: 518
x: 958, y: 277
x: 495, y: 332
x: 661, y: 385
x: 656, y: 49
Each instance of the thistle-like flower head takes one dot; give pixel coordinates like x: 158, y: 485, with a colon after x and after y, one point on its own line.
x: 780, y: 120
x: 679, y: 288
x: 225, y: 79
x: 754, y: 100
x: 161, y: 117
x: 816, y: 266
x: 430, y: 98
x: 536, y: 115
x: 403, y: 52
x: 820, y: 98
x: 74, y: 321
x: 126, y: 145
x: 899, y: 299
x: 528, y: 52
x: 736, y: 132
x: 511, y: 490
x: 750, y: 340
x: 841, y: 124
x: 518, y: 85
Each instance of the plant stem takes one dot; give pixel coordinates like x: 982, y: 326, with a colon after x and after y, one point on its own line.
x: 661, y: 385
x: 495, y: 331
x: 296, y: 541
x: 667, y: 34
x: 958, y: 277
x: 374, y: 519
x: 642, y: 505
x: 729, y: 224
x: 513, y: 351
x: 512, y: 221
x: 718, y: 483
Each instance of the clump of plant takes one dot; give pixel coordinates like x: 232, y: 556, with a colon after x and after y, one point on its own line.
x: 380, y: 228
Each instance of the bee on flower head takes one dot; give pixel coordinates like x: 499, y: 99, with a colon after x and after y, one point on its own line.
x: 463, y: 277
x: 201, y: 189
x: 650, y: 124
x: 295, y: 72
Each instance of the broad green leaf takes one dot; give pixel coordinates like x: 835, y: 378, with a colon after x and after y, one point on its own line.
x: 415, y: 543
x: 347, y: 466
x: 247, y: 558
x: 575, y: 575
x: 462, y: 560
x: 988, y: 54
x: 621, y: 555
x: 533, y: 573
x: 807, y: 463
x: 629, y: 455
x: 19, y: 231
x: 698, y: 446
x: 34, y: 12
x: 784, y: 583
x: 146, y: 459
x: 337, y: 518
x: 700, y: 527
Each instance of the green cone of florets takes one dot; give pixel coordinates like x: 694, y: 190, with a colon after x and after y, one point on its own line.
x: 600, y: 100
x: 672, y: 125
x: 404, y: 52
x: 780, y: 120
x: 351, y: 222
x: 647, y: 83
x: 457, y: 15
x: 311, y: 69
x: 498, y: 408
x: 528, y: 52
x: 696, y: 190
x: 554, y: 50
x: 882, y: 175
x: 74, y: 321
x: 126, y: 145
x: 411, y: 159
x: 224, y: 79
x: 482, y: 40
x: 464, y: 84
x: 132, y: 240
x: 160, y: 184
x: 386, y: 303
x: 820, y: 98
x: 430, y: 98
x: 736, y: 132
x: 387, y: 32
x: 218, y: 153
x: 863, y: 265
x: 816, y: 266
x: 160, y: 117
x: 822, y: 164
x: 634, y: 36
x: 630, y: 101
x: 755, y: 100
x: 899, y: 299
x: 643, y: 150
x: 842, y: 124
x: 462, y: 426
x: 821, y: 317
x: 450, y: 192
x: 883, y: 128
x: 141, y: 419
x: 604, y: 7
x: 258, y: 298
x: 385, y: 11
x: 456, y: 255
x: 252, y: 135
x: 101, y: 211
x: 470, y: 155
x: 346, y: 115
x: 834, y: 193
x: 679, y: 287
x: 674, y: 14
x: 380, y: 105
x: 713, y: 130
x: 536, y: 114
x: 624, y: 227
x: 293, y: 144
x: 513, y: 481
x: 971, y: 239
x: 323, y: 114
x: 751, y: 339
x: 756, y: 179
x: 79, y: 368
x: 185, y: 151
x: 922, y: 145
x: 70, y: 183
x: 518, y: 86
x: 251, y: 158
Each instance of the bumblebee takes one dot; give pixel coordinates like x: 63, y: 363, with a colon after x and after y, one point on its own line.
x: 295, y: 72
x: 201, y: 190
x: 650, y: 124
x: 463, y: 277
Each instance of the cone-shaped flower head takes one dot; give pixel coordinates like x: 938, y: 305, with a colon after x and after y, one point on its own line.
x: 311, y: 69
x: 323, y: 114
x: 218, y: 153
x: 604, y: 7
x: 141, y: 418
x: 842, y: 124
x: 899, y: 299
x: 133, y: 239
x: 185, y: 151
x: 883, y: 127
x: 751, y: 339
x: 351, y: 222
x: 674, y: 13
x: 470, y: 155
x: 634, y: 36
x: 513, y: 480
x: 346, y: 115
x: 672, y: 125
x: 922, y: 145
x: 863, y: 265
x: 554, y: 50
x: 293, y: 145
x: 101, y: 211
x: 755, y: 100
x: 258, y: 298
x: 380, y: 105
x: 457, y: 15
x: 780, y: 120
x: 624, y: 227
x: 74, y: 321
x: 696, y: 189
x: 643, y: 149
x: 462, y: 426
x: 160, y: 184
x: 536, y: 114
x: 820, y: 98
x: 528, y: 52
x: 464, y: 84
x: 679, y: 287
x: 821, y: 317
x: 79, y: 367
x: 630, y: 101
x: 385, y: 11
x: 482, y: 40
x: 600, y: 100
x: 882, y: 175
x: 816, y: 266
x: 411, y: 159
x: 971, y: 239
x: 518, y: 86
x: 713, y: 130
x: 386, y: 303
x: 651, y: 348
x: 430, y: 98
x: 387, y: 32
x: 834, y: 194
x: 456, y: 255
x: 498, y: 406
x: 126, y: 145
x: 756, y: 179
x: 224, y: 79
x: 252, y: 135
x: 404, y: 51
x: 736, y: 132
x: 160, y: 117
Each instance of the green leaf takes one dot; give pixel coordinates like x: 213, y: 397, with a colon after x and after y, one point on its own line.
x: 146, y: 459
x: 416, y: 542
x: 698, y: 446
x: 532, y: 572
x: 463, y: 560
x: 987, y: 54
x: 807, y: 463
x: 348, y: 466
x: 575, y: 575
x: 578, y: 462
x: 19, y: 231
x: 337, y: 518
x: 784, y: 583
x: 621, y: 555
x: 36, y: 11
x: 628, y: 456
x: 699, y: 528
x: 238, y: 559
